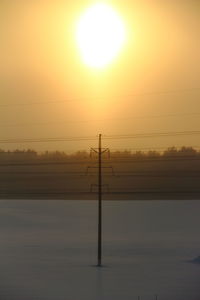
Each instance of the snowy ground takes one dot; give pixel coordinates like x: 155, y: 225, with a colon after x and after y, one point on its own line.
x: 48, y: 250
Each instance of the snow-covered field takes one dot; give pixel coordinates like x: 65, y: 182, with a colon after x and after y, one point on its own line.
x: 48, y: 250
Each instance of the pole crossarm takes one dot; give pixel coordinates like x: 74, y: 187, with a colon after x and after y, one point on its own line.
x: 103, y: 150
x: 103, y: 167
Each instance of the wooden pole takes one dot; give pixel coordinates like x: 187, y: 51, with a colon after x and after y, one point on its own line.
x: 99, y: 204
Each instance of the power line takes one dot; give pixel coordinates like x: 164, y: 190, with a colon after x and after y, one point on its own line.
x: 170, y: 115
x: 114, y: 192
x: 125, y: 191
x: 173, y: 175
x: 173, y: 91
x: 158, y: 159
x: 149, y: 149
x: 106, y: 137
x: 151, y: 135
x: 71, y: 175
x: 47, y: 140
x: 45, y: 163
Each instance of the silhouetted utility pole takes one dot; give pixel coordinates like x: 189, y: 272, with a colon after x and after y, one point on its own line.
x: 99, y: 151
x: 100, y: 205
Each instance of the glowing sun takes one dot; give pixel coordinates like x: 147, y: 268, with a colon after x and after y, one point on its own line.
x: 100, y: 35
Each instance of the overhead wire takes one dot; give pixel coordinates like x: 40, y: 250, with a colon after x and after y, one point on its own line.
x: 58, y: 123
x: 105, y: 137
x: 149, y: 93
x: 48, y: 140
x: 110, y: 192
x: 151, y: 135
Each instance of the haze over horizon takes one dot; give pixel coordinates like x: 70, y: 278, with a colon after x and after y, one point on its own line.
x: 152, y: 86
x: 101, y: 76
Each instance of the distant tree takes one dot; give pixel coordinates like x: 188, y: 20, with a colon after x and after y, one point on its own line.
x: 187, y: 151
x: 30, y: 154
x: 172, y: 151
x: 123, y: 153
x: 183, y: 151
x: 153, y: 153
x: 81, y: 154
x: 139, y: 154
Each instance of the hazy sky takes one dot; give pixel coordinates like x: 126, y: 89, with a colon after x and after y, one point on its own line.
x: 47, y: 91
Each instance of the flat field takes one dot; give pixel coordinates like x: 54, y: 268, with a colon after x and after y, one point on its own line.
x: 48, y: 250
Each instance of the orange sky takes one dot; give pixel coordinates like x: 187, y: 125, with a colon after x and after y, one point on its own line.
x: 41, y: 68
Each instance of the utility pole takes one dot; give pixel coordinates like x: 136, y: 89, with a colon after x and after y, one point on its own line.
x: 100, y: 204
x: 99, y: 151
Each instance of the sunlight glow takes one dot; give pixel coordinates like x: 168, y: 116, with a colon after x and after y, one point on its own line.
x: 100, y: 35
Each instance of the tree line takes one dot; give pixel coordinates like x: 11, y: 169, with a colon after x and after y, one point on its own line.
x: 30, y: 154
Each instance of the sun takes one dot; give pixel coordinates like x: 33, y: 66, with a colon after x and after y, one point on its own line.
x: 100, y: 35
